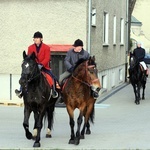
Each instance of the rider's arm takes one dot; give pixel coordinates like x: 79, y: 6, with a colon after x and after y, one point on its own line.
x: 46, y: 59
x: 67, y: 60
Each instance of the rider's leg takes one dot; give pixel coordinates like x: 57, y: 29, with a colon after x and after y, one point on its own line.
x: 19, y: 92
x: 54, y: 92
x: 145, y: 67
x: 94, y: 93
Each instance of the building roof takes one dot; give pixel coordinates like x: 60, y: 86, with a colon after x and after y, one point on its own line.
x: 59, y: 47
x: 135, y: 21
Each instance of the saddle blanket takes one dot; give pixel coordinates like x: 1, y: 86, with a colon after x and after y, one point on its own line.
x: 48, y: 78
x: 143, y: 65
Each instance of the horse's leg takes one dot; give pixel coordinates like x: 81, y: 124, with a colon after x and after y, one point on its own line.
x: 72, y: 123
x: 83, y: 130
x: 39, y: 127
x: 88, y: 131
x: 36, y: 116
x: 27, y: 113
x: 138, y: 92
x: 79, y: 122
x: 135, y: 92
x: 143, y: 94
x: 50, y: 113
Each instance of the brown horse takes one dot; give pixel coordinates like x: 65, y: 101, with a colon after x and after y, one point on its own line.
x: 77, y: 93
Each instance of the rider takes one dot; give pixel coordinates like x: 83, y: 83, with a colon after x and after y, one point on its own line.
x: 139, y: 54
x: 73, y: 55
x: 42, y: 52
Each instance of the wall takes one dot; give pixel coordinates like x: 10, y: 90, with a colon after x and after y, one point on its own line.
x: 142, y: 12
x: 60, y: 21
x: 112, y: 57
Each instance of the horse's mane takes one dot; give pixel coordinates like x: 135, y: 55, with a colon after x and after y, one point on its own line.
x: 79, y: 62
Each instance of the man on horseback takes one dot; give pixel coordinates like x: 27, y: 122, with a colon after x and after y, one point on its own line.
x: 72, y: 57
x: 42, y: 52
x: 139, y: 54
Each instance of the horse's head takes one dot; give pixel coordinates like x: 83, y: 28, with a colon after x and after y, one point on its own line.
x: 132, y: 61
x: 86, y: 72
x: 92, y: 72
x: 29, y: 69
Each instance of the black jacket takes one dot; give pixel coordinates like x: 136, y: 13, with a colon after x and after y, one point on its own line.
x: 139, y: 53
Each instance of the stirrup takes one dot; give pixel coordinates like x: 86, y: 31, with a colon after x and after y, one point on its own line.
x: 54, y: 94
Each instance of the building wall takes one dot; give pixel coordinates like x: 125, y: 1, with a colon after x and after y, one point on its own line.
x: 111, y: 59
x: 60, y: 21
x: 142, y: 12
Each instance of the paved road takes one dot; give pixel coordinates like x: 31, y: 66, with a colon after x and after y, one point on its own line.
x: 119, y: 124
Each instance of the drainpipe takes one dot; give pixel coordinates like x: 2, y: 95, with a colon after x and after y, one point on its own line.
x: 127, y: 44
x: 89, y: 25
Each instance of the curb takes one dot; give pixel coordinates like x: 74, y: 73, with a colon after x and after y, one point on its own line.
x: 10, y: 103
x: 112, y: 92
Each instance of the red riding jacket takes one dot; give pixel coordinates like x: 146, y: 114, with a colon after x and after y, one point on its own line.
x: 43, y: 57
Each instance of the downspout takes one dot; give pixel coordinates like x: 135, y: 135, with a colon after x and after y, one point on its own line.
x: 127, y: 41
x: 89, y: 25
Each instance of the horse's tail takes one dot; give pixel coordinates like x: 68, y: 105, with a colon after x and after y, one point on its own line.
x: 92, y: 115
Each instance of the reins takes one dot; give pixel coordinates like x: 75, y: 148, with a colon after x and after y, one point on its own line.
x: 86, y: 83
x: 33, y: 77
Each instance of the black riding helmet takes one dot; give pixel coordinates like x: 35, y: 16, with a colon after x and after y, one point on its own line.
x: 37, y: 35
x: 78, y: 42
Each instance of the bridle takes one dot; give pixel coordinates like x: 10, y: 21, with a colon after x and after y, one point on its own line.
x: 33, y: 76
x: 86, y: 69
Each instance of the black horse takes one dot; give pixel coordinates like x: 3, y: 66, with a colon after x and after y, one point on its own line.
x: 37, y: 98
x: 137, y: 78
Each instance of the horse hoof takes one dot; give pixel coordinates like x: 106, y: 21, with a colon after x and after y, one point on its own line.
x: 88, y: 132
x: 71, y: 141
x: 36, y: 145
x: 81, y: 136
x: 143, y: 98
x: 29, y: 136
x: 77, y: 141
x: 48, y: 136
x: 137, y: 103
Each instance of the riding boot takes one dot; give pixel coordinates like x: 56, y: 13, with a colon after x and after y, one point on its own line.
x: 147, y: 72
x: 60, y: 99
x: 54, y: 92
x: 94, y: 94
x: 19, y: 93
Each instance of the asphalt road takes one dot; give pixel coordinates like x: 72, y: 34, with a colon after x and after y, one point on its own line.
x: 119, y: 124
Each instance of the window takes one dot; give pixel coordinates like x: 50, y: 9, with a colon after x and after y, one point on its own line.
x: 120, y: 74
x: 93, y: 17
x: 122, y: 31
x: 113, y: 79
x: 105, y: 28
x: 114, y: 31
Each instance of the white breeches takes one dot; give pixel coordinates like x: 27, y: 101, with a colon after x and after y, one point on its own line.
x: 143, y: 64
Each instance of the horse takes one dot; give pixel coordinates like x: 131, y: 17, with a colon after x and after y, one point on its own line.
x: 77, y: 94
x: 37, y: 98
x: 137, y: 78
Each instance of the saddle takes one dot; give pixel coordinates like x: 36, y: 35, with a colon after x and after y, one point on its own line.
x: 48, y: 78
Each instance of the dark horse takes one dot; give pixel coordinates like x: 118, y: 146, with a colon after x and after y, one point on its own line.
x: 137, y: 78
x: 77, y: 94
x: 37, y: 98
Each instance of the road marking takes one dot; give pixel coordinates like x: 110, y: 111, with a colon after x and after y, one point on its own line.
x: 102, y: 105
